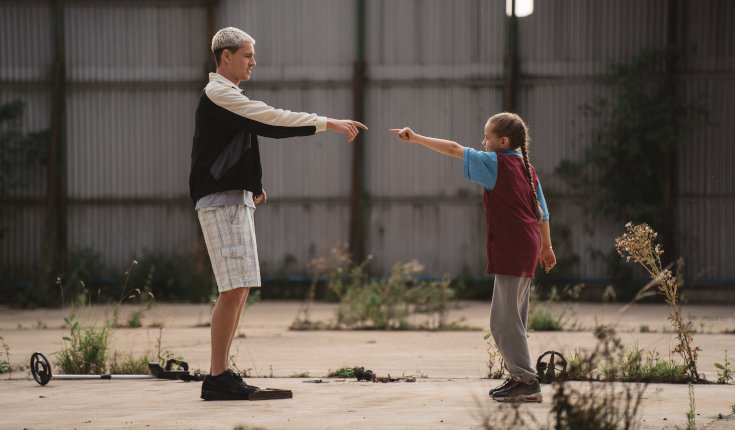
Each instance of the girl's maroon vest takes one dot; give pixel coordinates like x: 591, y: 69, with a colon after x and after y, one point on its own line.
x: 512, y: 227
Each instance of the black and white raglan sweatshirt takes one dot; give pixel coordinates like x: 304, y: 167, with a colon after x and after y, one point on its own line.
x: 225, y: 155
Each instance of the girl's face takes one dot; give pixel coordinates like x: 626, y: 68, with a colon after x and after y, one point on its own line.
x: 493, y: 143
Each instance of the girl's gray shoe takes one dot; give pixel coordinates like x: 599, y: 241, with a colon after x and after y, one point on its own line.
x: 519, y: 391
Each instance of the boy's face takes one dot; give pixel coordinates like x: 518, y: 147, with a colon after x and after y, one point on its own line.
x: 242, y: 61
x: 493, y: 143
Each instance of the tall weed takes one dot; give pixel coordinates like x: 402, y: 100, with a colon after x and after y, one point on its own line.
x: 638, y: 243
x: 366, y: 302
x: 85, y: 350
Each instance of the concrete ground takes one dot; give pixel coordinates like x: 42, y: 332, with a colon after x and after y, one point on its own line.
x: 450, y: 366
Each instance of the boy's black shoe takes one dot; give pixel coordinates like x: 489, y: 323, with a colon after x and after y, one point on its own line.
x: 226, y: 386
x: 502, y: 386
x: 519, y: 391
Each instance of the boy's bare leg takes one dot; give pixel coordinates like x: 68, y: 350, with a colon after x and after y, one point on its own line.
x: 237, y: 323
x: 225, y: 318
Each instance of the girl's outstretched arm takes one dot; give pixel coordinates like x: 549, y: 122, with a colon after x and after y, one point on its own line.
x: 447, y: 147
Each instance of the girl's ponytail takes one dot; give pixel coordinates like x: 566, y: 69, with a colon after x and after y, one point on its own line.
x: 529, y: 178
x: 510, y: 125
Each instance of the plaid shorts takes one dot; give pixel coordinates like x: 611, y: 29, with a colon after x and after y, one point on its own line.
x: 229, y: 232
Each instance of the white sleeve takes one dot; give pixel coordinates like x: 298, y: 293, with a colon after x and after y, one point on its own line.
x: 239, y: 104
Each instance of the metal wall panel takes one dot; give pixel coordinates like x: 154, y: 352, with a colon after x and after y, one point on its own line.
x: 445, y: 238
x: 705, y: 232
x: 434, y: 65
x: 397, y: 169
x: 706, y: 159
x: 35, y: 119
x: 21, y: 244
x: 580, y: 37
x: 290, y: 235
x: 130, y: 142
x: 559, y: 129
x: 123, y: 232
x: 709, y: 35
x: 315, y: 166
x: 424, y: 32
x: 295, y: 32
x: 26, y: 45
x: 109, y: 42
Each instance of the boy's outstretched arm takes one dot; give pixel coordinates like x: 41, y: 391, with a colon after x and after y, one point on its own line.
x: 447, y: 147
x: 548, y: 259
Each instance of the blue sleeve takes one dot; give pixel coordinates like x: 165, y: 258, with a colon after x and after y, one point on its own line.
x: 481, y: 167
x: 542, y: 203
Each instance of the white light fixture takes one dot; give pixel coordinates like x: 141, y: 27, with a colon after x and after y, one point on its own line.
x: 523, y: 7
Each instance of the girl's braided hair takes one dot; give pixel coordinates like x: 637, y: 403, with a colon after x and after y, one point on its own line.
x: 512, y: 126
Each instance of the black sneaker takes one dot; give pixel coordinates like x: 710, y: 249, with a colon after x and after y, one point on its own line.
x: 226, y: 386
x: 519, y: 391
x: 502, y: 386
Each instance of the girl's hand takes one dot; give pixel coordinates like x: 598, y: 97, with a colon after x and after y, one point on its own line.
x: 405, y: 134
x: 548, y: 259
x: 261, y: 198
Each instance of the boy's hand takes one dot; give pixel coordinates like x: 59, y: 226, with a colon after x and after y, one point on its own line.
x: 346, y: 126
x: 548, y: 259
x: 262, y: 198
x: 405, y: 134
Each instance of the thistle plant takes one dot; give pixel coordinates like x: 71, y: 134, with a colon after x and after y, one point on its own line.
x: 638, y: 244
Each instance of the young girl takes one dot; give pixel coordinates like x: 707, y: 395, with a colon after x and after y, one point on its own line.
x: 515, y: 217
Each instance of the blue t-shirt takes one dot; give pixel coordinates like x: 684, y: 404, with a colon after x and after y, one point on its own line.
x: 482, y: 167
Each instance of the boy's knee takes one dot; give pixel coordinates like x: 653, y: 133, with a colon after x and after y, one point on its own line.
x: 236, y: 294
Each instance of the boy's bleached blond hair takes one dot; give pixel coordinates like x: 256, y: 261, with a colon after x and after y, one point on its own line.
x: 230, y: 37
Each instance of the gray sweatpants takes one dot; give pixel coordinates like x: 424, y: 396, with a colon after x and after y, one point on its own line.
x: 508, y: 317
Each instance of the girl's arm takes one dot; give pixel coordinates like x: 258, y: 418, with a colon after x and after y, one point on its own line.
x: 548, y: 259
x: 447, y: 147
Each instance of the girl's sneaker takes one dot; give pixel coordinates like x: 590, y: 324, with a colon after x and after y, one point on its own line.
x: 519, y: 391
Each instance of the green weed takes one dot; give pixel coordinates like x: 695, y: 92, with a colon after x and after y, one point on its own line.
x: 544, y: 320
x: 495, y: 364
x: 541, y: 317
x: 633, y: 365
x: 128, y: 364
x: 387, y: 304
x: 135, y: 319
x: 343, y: 372
x: 578, y: 369
x: 691, y: 413
x: 724, y: 374
x: 85, y: 350
x: 144, y: 296
x: 5, y: 366
x: 164, y: 354
x: 373, y: 303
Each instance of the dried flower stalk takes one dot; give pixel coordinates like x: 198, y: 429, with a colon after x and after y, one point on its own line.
x: 638, y: 244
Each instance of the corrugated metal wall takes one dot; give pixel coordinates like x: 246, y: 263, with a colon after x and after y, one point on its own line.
x: 436, y: 65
